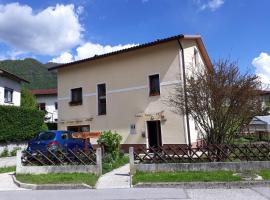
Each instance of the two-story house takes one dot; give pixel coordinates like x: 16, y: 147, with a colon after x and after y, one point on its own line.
x: 10, y: 88
x: 126, y: 91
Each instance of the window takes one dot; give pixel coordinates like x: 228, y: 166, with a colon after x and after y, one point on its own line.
x: 42, y: 106
x: 82, y: 128
x: 195, y: 57
x: 45, y: 136
x: 56, y: 106
x: 8, y: 95
x: 154, y: 87
x: 76, y: 96
x: 101, y: 88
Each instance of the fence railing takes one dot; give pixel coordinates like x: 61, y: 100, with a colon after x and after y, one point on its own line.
x: 208, y: 153
x: 59, y: 157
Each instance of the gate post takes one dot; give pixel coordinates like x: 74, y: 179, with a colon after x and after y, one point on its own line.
x: 99, y: 161
x: 131, y: 160
x: 19, y: 162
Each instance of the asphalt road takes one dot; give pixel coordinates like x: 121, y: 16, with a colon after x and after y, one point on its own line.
x: 134, y: 194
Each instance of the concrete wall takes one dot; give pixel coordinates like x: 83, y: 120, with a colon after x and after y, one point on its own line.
x: 128, y: 101
x: 16, y: 86
x: 49, y: 100
x: 95, y: 169
x: 211, y: 166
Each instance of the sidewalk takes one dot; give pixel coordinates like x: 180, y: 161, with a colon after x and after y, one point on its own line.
x: 118, y: 178
x: 6, y: 182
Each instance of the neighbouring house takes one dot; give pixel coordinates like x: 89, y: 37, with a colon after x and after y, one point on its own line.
x: 10, y: 88
x: 126, y: 91
x: 47, y: 101
x: 265, y: 97
x: 259, y: 124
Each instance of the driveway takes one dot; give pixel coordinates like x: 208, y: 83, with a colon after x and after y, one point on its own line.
x: 140, y: 194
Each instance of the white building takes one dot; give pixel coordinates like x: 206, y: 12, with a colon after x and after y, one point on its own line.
x: 10, y: 88
x: 47, y: 101
x: 260, y: 124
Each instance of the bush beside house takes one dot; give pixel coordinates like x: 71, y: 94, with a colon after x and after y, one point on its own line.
x: 19, y: 124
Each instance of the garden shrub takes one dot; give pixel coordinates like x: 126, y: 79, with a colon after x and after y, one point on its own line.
x: 19, y: 124
x: 14, y: 151
x: 110, y: 143
x: 4, y: 153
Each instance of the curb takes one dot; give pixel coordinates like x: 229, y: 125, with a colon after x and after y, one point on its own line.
x: 50, y: 186
x: 204, y: 185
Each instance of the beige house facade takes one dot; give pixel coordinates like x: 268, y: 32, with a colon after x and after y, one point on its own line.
x: 127, y: 91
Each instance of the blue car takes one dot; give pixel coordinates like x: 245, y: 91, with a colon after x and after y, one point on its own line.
x: 54, y: 140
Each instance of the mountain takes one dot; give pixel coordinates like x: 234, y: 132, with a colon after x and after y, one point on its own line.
x: 33, y: 71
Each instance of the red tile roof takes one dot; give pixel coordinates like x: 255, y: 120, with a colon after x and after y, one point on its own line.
x: 159, y: 41
x: 44, y: 91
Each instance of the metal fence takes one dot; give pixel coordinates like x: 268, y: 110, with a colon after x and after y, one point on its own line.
x: 208, y: 153
x: 59, y: 157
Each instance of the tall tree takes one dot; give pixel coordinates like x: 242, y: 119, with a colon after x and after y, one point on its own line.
x: 221, y: 100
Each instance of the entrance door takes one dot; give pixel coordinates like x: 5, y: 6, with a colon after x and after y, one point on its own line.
x: 154, y: 133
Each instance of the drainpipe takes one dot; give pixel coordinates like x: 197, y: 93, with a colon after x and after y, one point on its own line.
x: 185, y: 90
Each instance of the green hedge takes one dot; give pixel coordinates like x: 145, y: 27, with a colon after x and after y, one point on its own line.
x: 19, y: 124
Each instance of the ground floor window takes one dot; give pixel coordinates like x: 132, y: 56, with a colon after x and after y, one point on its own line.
x: 80, y: 128
x: 8, y: 95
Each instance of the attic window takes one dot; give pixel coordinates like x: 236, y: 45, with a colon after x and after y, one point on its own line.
x: 195, y: 57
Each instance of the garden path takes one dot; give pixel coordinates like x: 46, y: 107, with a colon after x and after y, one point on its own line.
x: 118, y: 178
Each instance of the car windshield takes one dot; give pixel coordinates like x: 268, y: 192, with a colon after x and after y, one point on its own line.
x: 45, y: 136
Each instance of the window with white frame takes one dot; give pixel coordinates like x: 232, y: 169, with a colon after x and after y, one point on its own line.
x: 8, y: 95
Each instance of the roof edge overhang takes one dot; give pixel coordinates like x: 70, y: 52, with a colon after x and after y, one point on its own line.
x: 197, y: 38
x: 12, y: 76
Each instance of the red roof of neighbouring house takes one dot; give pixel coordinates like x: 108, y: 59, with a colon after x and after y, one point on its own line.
x: 44, y: 91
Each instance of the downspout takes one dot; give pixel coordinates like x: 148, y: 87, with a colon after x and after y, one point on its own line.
x: 185, y: 90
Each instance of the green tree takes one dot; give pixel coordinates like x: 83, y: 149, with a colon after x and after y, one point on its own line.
x: 28, y: 100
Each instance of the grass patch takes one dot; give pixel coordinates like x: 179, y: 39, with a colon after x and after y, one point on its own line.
x: 213, y: 176
x: 7, y: 169
x: 107, y: 167
x: 89, y: 179
x: 265, y: 173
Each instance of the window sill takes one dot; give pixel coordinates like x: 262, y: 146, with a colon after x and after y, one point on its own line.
x: 9, y: 102
x: 154, y: 95
x: 101, y: 115
x: 75, y: 103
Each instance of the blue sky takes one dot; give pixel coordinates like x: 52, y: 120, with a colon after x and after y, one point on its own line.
x: 65, y: 30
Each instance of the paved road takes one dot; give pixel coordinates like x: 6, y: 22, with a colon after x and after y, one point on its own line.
x: 140, y: 194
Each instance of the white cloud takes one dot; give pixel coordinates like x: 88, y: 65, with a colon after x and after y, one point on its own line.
x: 88, y: 50
x: 262, y: 67
x: 210, y: 4
x: 63, y: 58
x: 48, y: 32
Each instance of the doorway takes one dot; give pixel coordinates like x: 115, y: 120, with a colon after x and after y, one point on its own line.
x: 154, y: 134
